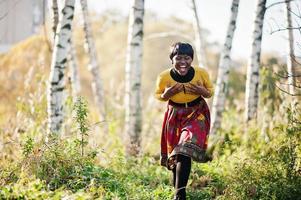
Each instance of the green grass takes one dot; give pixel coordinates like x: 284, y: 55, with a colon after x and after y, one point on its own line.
x: 243, y: 166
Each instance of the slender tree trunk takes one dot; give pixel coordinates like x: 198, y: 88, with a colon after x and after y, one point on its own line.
x: 56, y: 87
x: 133, y: 116
x: 223, y: 71
x: 93, y: 62
x: 74, y: 74
x: 54, y: 16
x: 252, y: 82
x: 291, y: 64
x: 199, y: 41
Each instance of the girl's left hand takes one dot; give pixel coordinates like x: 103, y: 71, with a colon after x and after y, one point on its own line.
x: 197, y: 89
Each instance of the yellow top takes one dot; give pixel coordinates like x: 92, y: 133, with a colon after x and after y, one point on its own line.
x: 166, y: 80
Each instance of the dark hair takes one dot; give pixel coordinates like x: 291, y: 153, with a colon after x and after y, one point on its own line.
x: 180, y: 48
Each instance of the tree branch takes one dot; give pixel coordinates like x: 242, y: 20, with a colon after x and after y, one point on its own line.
x: 287, y: 84
x: 6, y: 13
x: 288, y: 75
x: 276, y: 3
x: 299, y: 16
x: 294, y: 95
x: 284, y: 29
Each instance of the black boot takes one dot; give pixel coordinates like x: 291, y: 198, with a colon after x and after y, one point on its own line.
x: 181, y: 175
x: 179, y: 197
x: 180, y: 194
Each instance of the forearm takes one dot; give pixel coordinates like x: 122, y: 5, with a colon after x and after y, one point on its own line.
x: 205, y: 93
x: 164, y: 96
x: 158, y: 96
x: 198, y: 90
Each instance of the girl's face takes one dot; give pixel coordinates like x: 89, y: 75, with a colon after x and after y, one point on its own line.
x: 182, y: 63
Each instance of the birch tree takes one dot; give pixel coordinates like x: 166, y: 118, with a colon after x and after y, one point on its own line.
x: 56, y: 87
x: 133, y: 116
x: 199, y: 42
x: 252, y: 83
x: 73, y: 65
x: 223, y: 71
x: 74, y: 74
x: 291, y: 64
x: 93, y: 62
x: 54, y: 16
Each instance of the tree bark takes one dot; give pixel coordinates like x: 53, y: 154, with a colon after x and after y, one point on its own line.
x: 199, y: 41
x: 291, y: 64
x: 55, y: 17
x: 133, y: 116
x: 223, y: 71
x: 97, y: 87
x: 252, y: 82
x: 74, y: 74
x: 56, y: 87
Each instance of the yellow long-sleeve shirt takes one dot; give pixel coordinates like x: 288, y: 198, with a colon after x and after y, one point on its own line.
x: 195, y: 75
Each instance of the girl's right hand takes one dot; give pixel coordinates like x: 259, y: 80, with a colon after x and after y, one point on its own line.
x: 172, y: 90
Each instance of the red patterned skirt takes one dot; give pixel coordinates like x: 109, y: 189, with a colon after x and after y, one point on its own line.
x: 185, y: 131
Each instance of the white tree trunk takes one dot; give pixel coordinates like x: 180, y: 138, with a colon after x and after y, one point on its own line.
x: 54, y: 17
x: 56, y: 87
x: 74, y: 74
x: 252, y: 82
x: 291, y: 65
x: 223, y: 72
x: 93, y: 62
x: 199, y: 41
x: 133, y: 116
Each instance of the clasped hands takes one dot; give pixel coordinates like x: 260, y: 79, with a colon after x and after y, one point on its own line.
x: 190, y: 88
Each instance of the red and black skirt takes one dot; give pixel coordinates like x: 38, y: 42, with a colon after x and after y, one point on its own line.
x: 185, y: 131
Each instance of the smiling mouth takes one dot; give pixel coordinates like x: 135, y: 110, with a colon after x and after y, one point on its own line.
x: 183, y: 67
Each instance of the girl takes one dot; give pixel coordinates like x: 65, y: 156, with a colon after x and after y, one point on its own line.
x: 187, y: 119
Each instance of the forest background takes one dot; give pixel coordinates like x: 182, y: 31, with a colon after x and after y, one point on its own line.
x: 258, y: 161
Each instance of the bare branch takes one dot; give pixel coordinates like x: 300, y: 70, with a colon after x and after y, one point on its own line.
x: 284, y: 29
x: 276, y: 3
x: 295, y: 59
x: 287, y: 84
x: 297, y: 22
x: 299, y: 16
x: 288, y: 75
x: 6, y: 13
x: 297, y: 5
x: 282, y: 90
x: 3, y: 16
x: 273, y: 21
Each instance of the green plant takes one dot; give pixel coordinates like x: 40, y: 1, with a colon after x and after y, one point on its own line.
x: 27, y: 147
x: 81, y: 110
x: 272, y: 173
